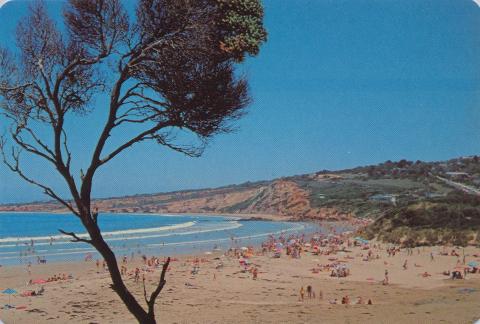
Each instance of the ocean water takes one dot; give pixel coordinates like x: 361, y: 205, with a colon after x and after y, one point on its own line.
x: 26, y: 236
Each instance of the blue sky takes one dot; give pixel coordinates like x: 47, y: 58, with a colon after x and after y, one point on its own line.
x: 339, y: 83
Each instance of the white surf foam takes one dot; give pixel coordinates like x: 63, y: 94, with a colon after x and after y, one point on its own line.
x: 230, y: 226
x: 300, y: 227
x: 105, y: 234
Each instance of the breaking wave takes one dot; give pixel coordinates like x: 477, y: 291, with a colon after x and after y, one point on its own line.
x: 105, y: 234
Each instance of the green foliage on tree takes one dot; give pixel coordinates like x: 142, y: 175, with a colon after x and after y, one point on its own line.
x: 241, y: 23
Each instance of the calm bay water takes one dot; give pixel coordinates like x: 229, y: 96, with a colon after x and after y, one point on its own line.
x: 26, y: 236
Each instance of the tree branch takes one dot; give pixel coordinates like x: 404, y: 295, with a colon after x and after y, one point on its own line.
x: 141, y: 137
x: 161, y: 284
x: 67, y: 151
x: 43, y: 145
x: 145, y: 291
x: 191, y: 151
x: 124, y: 118
x: 75, y: 237
x: 49, y: 156
x: 15, y: 167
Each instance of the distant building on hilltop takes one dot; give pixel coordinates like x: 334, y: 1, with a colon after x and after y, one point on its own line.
x: 388, y: 198
x: 458, y: 175
x: 434, y: 195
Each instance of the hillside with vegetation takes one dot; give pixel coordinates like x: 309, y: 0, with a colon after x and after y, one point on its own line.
x: 406, y: 199
x: 454, y: 219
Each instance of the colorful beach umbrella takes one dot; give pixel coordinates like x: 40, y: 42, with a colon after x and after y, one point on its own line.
x: 364, y: 241
x: 9, y: 292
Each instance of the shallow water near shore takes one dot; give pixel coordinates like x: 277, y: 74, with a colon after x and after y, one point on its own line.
x: 26, y: 237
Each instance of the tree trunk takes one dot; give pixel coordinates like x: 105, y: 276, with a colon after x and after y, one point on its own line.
x: 118, y: 285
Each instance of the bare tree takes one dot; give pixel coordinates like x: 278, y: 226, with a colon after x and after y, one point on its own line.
x: 168, y: 68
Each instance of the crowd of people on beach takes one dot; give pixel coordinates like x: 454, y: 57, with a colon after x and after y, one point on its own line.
x: 340, y: 249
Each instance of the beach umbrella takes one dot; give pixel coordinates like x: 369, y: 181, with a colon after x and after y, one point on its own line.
x: 473, y: 264
x: 244, y: 248
x: 359, y: 239
x: 9, y: 292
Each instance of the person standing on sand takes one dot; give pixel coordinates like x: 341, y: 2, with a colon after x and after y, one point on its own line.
x: 405, y: 265
x: 431, y: 256
x: 385, y: 281
x: 137, y: 274
x: 302, y: 294
x: 309, y: 292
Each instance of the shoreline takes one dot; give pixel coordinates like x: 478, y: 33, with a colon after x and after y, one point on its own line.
x: 172, y: 244
x: 270, y: 217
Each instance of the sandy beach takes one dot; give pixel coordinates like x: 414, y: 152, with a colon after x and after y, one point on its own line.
x: 229, y: 295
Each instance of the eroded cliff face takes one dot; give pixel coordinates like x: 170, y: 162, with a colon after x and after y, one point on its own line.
x: 288, y: 199
x: 281, y: 197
